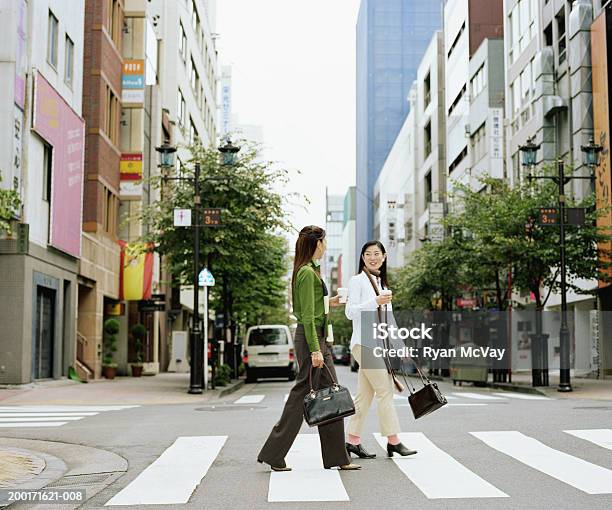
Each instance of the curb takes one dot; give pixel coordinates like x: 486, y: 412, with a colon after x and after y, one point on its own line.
x: 517, y: 388
x: 231, y: 388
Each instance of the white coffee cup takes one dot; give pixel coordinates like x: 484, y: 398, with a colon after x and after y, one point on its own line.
x: 343, y: 293
x: 386, y: 292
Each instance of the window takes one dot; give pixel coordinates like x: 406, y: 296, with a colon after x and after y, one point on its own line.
x: 110, y: 213
x: 561, y: 40
x: 548, y: 35
x: 47, y: 172
x: 111, y: 116
x: 193, y: 132
x: 183, y: 43
x: 458, y: 160
x: 181, y: 109
x: 69, y: 62
x: 426, y: 91
x: 113, y: 22
x: 52, y: 40
x: 477, y: 84
x: 428, y: 189
x: 524, y: 23
x: 457, y: 100
x: 427, y: 140
x: 195, y: 79
x: 478, y: 143
x: 456, y: 41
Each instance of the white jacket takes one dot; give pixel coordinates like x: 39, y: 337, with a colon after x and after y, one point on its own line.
x: 361, y: 298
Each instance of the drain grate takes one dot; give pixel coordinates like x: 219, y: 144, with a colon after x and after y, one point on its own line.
x: 221, y: 409
x: 80, y: 480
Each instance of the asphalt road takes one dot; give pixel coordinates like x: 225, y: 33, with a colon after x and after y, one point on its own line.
x: 207, y: 453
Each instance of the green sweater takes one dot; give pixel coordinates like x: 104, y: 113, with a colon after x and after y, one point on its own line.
x: 308, y: 304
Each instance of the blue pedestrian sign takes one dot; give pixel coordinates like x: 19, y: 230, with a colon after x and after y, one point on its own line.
x: 206, y: 279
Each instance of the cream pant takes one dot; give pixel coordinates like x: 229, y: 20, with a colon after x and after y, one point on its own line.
x: 373, y: 381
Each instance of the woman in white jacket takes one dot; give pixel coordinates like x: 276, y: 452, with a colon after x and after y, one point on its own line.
x: 373, y: 378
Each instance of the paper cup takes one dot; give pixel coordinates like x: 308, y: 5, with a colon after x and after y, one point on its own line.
x: 343, y: 293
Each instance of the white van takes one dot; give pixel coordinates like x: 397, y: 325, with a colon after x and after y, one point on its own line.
x: 268, y: 352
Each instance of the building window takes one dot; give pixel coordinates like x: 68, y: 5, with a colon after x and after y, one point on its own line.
x: 52, y: 40
x: 113, y: 22
x: 193, y: 132
x: 427, y: 140
x: 458, y: 160
x: 456, y: 41
x: 111, y: 116
x: 183, y: 43
x: 548, y: 35
x: 457, y: 100
x: 478, y: 143
x: 47, y: 172
x: 182, y: 107
x: 195, y: 79
x: 561, y: 38
x: 477, y: 84
x: 69, y: 63
x: 110, y: 212
x: 426, y: 91
x: 195, y: 19
x: 428, y: 189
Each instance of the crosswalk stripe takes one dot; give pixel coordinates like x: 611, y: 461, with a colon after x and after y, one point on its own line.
x: 60, y: 408
x: 522, y: 396
x: 34, y: 424
x: 600, y: 437
x: 32, y: 415
x: 174, y: 475
x: 308, y: 481
x: 436, y: 473
x: 578, y: 473
x: 477, y: 396
x: 250, y: 399
x: 41, y: 419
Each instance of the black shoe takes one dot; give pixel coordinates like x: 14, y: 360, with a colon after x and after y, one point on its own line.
x: 359, y: 451
x: 284, y: 467
x: 398, y: 448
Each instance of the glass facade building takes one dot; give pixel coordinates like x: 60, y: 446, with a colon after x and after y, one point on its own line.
x: 392, y: 36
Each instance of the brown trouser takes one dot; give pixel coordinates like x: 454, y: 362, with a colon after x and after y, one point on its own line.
x: 284, y: 432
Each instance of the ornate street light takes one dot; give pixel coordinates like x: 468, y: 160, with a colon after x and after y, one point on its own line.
x: 528, y: 152
x: 229, y: 152
x: 590, y: 154
x: 166, y: 155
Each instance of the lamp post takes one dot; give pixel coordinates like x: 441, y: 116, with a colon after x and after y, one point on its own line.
x: 167, y: 152
x: 591, y: 159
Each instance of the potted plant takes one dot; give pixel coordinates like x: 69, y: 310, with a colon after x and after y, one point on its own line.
x: 138, y: 333
x: 111, y: 328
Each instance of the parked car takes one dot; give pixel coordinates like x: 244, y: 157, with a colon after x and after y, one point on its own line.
x: 341, y: 354
x: 268, y: 352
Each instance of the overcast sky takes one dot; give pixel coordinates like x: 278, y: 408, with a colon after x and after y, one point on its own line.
x: 293, y: 65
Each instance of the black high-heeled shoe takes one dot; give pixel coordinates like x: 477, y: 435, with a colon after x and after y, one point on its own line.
x: 284, y: 467
x: 359, y: 450
x: 399, y: 448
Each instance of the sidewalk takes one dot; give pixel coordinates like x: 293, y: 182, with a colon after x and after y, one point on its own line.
x: 164, y: 388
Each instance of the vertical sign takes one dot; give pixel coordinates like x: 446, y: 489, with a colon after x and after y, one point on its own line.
x: 133, y: 81
x: 496, y: 142
x: 601, y: 117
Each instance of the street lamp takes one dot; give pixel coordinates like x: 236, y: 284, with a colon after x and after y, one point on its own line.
x: 528, y: 152
x: 590, y: 154
x: 166, y: 161
x: 228, y: 152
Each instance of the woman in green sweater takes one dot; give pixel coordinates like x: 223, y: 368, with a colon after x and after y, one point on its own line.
x: 310, y: 303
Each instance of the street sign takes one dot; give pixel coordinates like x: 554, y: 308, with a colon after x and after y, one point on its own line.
x: 550, y: 216
x: 182, y: 217
x: 211, y: 217
x: 151, y: 306
x: 206, y: 279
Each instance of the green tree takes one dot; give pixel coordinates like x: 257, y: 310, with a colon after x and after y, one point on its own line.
x: 9, y: 205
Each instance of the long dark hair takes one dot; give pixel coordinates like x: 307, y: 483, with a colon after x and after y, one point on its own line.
x: 383, y: 268
x: 305, y: 248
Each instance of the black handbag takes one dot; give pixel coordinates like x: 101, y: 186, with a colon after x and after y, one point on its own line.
x: 427, y: 399
x: 327, y: 405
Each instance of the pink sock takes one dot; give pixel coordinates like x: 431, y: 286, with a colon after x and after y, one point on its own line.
x: 393, y: 439
x: 356, y: 440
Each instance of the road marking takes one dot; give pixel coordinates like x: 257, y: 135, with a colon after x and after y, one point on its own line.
x: 174, y: 475
x: 578, y: 473
x: 436, y: 474
x: 308, y: 481
x: 30, y: 415
x: 61, y: 409
x: 250, y: 399
x: 600, y: 437
x: 36, y: 424
x: 522, y: 396
x: 477, y: 396
x: 41, y: 419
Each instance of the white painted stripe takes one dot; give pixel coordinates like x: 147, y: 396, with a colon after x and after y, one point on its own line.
x: 405, y: 397
x: 522, y: 396
x: 578, y: 473
x: 61, y: 409
x: 250, y: 399
x: 33, y: 415
x: 308, y: 481
x: 477, y: 396
x: 436, y: 473
x: 34, y: 424
x: 41, y: 419
x: 174, y: 475
x: 600, y: 437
